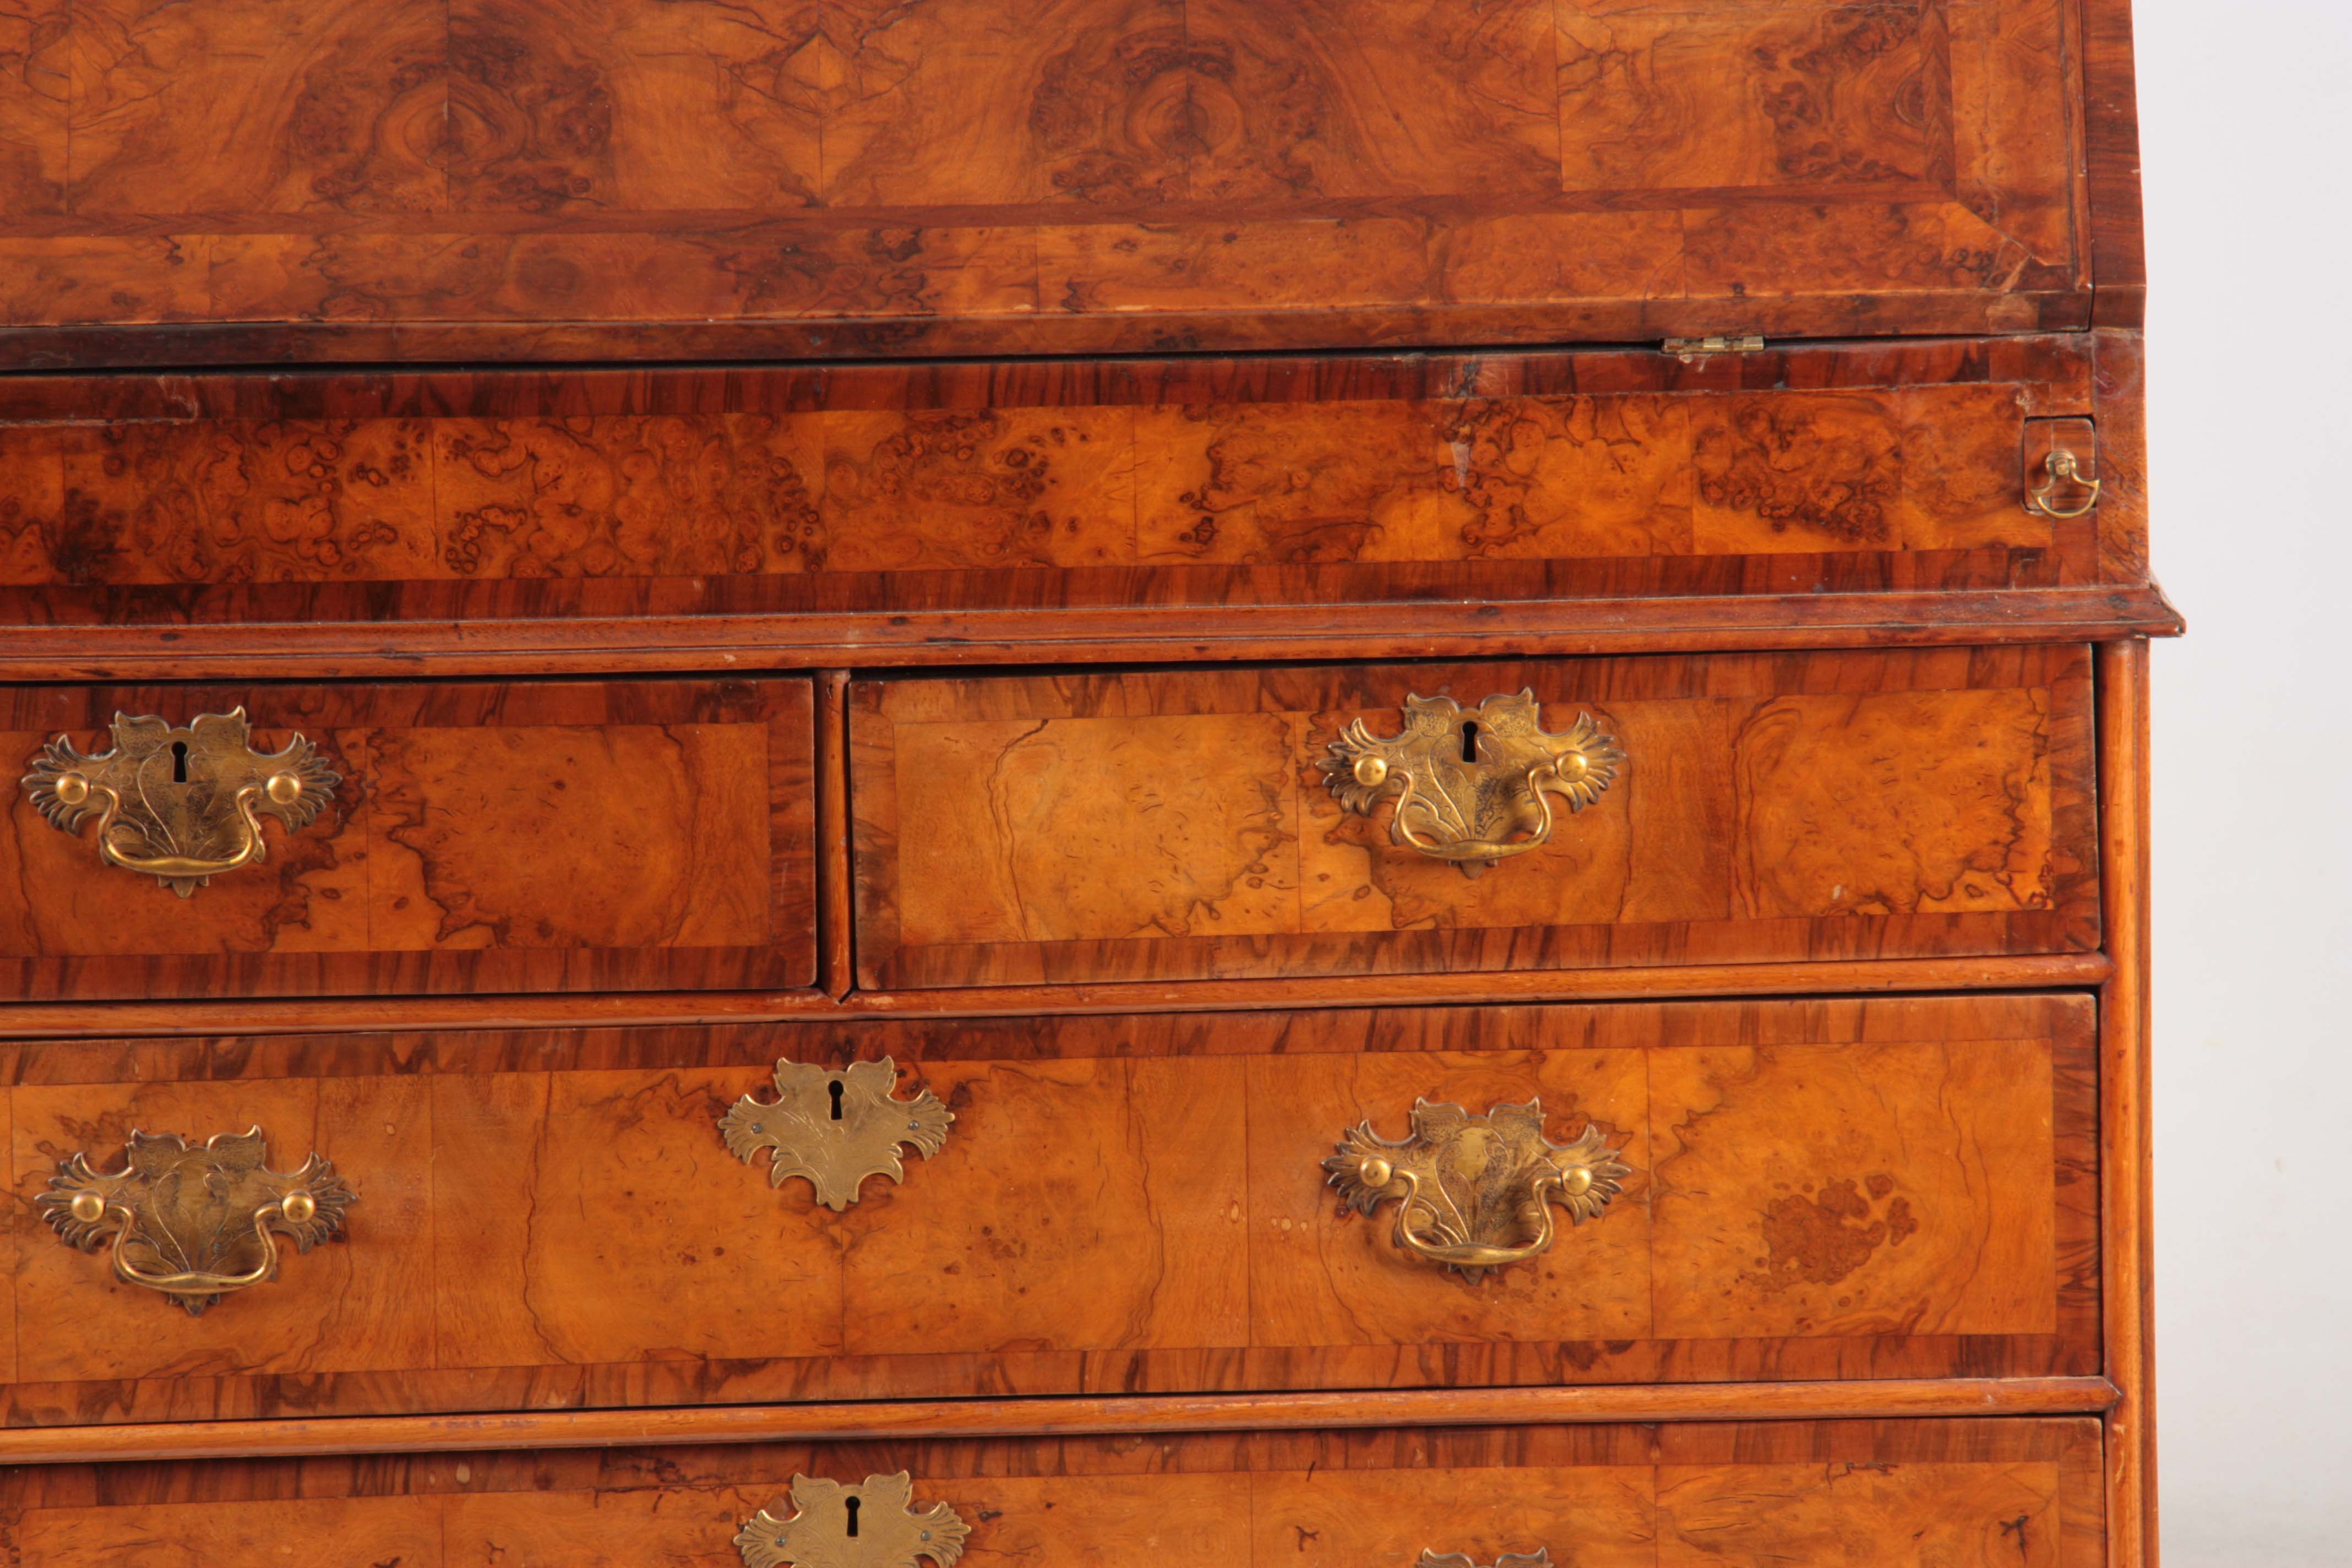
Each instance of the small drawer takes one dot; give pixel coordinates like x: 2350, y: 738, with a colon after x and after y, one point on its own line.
x: 1632, y: 1193
x: 2019, y: 1492
x: 1421, y: 819
x: 275, y: 841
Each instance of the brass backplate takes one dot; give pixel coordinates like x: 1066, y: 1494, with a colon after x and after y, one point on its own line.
x: 1476, y: 1192
x: 1470, y: 808
x: 870, y: 1525
x: 180, y: 806
x: 191, y: 1222
x: 836, y: 1126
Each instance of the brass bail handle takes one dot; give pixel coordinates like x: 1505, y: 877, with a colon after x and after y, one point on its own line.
x: 212, y: 1213
x: 1477, y: 1192
x: 1539, y: 1558
x: 2063, y: 471
x: 1471, y: 786
x: 181, y: 806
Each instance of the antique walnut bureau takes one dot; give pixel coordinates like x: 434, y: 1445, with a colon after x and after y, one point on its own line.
x: 1073, y: 782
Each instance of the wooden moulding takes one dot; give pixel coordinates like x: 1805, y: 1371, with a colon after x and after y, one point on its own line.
x: 68, y: 1020
x: 1141, y: 634
x: 1067, y: 1416
x: 2125, y: 1165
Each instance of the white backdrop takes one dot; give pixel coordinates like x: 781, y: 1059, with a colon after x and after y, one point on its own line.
x: 2246, y: 140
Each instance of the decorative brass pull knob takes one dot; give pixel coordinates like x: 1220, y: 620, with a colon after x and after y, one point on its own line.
x: 195, y: 1224
x: 1539, y: 1558
x: 1465, y: 784
x: 870, y: 1525
x: 2063, y: 471
x: 1476, y: 1192
x: 180, y: 806
x: 835, y: 1127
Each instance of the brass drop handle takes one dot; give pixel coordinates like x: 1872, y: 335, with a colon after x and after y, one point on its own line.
x: 174, y: 868
x: 195, y: 1224
x: 1465, y: 782
x: 2062, y: 470
x: 1476, y: 1192
x: 180, y: 806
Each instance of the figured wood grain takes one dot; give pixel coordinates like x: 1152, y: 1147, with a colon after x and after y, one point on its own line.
x: 682, y: 492
x: 1975, y: 1493
x: 562, y: 1225
x: 1151, y: 826
x: 614, y: 835
x: 544, y: 179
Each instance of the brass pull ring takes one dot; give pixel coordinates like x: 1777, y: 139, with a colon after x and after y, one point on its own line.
x: 1464, y: 782
x: 212, y: 1214
x: 180, y: 806
x: 2061, y: 468
x: 1476, y: 1192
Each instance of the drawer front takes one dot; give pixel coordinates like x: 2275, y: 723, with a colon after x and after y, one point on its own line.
x: 488, y: 837
x: 1166, y: 826
x: 2014, y: 1493
x: 1794, y: 1190
x: 990, y: 487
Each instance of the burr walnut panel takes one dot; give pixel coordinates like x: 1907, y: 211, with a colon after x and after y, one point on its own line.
x: 515, y: 837
x: 260, y: 180
x: 1890, y: 1189
x: 1162, y: 825
x: 1508, y: 476
x: 2014, y: 1493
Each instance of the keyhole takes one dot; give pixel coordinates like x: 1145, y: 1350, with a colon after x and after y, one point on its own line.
x: 835, y: 1088
x: 179, y: 762
x: 1470, y: 742
x: 852, y: 1502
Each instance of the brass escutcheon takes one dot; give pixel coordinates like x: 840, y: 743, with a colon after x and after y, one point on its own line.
x: 1467, y: 809
x: 2062, y: 470
x: 1476, y: 1192
x: 837, y: 1127
x: 195, y: 1224
x: 870, y: 1525
x: 180, y: 806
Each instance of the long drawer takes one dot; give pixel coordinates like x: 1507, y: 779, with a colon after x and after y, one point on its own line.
x: 1121, y: 486
x: 1770, y: 1190
x: 1354, y: 819
x: 399, y: 838
x: 2012, y: 1493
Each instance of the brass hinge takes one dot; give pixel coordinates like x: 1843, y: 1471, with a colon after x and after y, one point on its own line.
x: 1690, y: 348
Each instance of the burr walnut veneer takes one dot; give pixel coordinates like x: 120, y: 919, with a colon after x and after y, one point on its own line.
x: 862, y: 786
